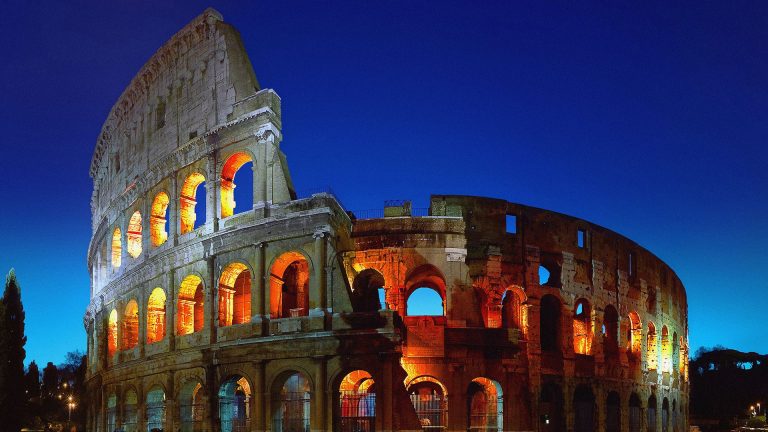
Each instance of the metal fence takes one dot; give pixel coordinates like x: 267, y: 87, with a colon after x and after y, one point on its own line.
x: 357, y: 412
x: 487, y: 417
x: 192, y: 417
x: 233, y: 414
x: 293, y: 414
x: 432, y: 411
x: 155, y: 416
x: 130, y: 418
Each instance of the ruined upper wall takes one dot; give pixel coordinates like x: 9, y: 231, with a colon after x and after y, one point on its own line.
x: 189, y: 86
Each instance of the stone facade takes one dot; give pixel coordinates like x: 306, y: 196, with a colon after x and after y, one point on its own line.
x: 290, y: 314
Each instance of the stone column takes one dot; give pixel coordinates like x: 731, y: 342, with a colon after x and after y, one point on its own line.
x: 173, y: 209
x: 212, y: 209
x: 260, y: 177
x: 212, y: 304
x: 320, y: 418
x: 170, y: 308
x: 258, y: 289
x: 317, y: 291
x: 260, y: 399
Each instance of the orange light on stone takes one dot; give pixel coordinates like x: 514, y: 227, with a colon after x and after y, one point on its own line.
x: 289, y: 286
x: 234, y: 295
x: 635, y: 334
x: 131, y: 325
x: 157, y: 219
x: 112, y: 333
x: 231, y: 166
x: 133, y: 236
x: 582, y: 328
x: 187, y: 202
x: 117, y: 247
x: 651, y: 349
x: 666, y: 351
x: 156, y: 316
x: 189, y: 313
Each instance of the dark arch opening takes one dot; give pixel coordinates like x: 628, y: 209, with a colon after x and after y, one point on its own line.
x: 551, y: 408
x: 613, y: 413
x: 550, y: 324
x: 584, y: 407
x: 365, y: 291
x: 635, y: 411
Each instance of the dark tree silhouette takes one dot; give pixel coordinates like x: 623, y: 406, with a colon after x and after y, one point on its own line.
x: 13, y: 401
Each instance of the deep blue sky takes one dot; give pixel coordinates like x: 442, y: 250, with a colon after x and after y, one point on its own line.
x: 649, y: 119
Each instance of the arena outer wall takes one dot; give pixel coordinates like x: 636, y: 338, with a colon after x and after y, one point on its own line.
x: 291, y: 313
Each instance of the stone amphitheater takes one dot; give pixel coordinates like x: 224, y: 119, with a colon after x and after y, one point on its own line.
x: 292, y: 313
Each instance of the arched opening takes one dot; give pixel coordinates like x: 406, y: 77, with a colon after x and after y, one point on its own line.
x: 675, y: 425
x: 229, y: 174
x: 544, y: 275
x: 584, y: 407
x: 357, y: 403
x: 635, y: 411
x: 513, y: 314
x: 549, y: 324
x: 234, y: 295
x: 130, y: 411
x: 235, y: 405
x: 611, y: 335
x: 158, y: 219
x: 191, y: 215
x: 133, y: 236
x: 117, y: 247
x: 111, y: 412
x: 190, y: 318
x: 191, y: 407
x: 365, y: 291
x: 156, y: 316
x: 582, y: 328
x: 131, y: 325
x: 550, y: 269
x: 430, y: 402
x: 683, y: 360
x: 289, y: 286
x: 425, y: 292
x: 666, y: 351
x: 425, y: 301
x: 613, y: 413
x: 486, y: 405
x: 155, y: 411
x: 651, y: 414
x: 291, y: 405
x: 652, y: 354
x: 551, y: 408
x: 112, y: 334
x: 675, y: 353
x: 665, y: 415
x: 635, y: 336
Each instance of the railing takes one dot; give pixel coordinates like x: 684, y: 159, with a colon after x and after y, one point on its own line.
x: 358, y: 412
x: 293, y: 415
x: 155, y: 417
x: 379, y: 213
x: 192, y: 417
x: 432, y: 411
x: 487, y: 417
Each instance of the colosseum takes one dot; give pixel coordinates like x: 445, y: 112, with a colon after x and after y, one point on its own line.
x: 291, y: 313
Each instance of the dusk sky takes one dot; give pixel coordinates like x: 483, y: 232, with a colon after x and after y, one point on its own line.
x: 650, y: 119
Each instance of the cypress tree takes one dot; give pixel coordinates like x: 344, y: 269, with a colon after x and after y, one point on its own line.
x: 12, y: 340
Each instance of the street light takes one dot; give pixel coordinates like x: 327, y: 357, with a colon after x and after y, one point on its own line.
x: 70, y: 405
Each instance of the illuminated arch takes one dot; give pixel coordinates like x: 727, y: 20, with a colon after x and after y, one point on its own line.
x: 112, y: 333
x: 289, y: 285
x: 117, y: 247
x: 192, y: 405
x: 131, y: 325
x: 582, y: 327
x: 291, y: 403
x: 188, y: 202
x: 421, y: 285
x: 158, y: 219
x: 366, y: 291
x: 513, y: 312
x: 228, y: 172
x: 430, y: 401
x: 133, y: 236
x: 234, y: 295
x: 156, y: 316
x: 666, y: 350
x: 189, y: 311
x: 652, y: 356
x: 635, y: 337
x: 235, y: 404
x: 356, y: 408
x: 486, y: 405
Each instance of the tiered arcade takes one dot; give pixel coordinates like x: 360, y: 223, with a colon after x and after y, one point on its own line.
x: 209, y: 313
